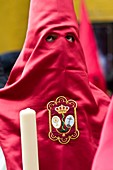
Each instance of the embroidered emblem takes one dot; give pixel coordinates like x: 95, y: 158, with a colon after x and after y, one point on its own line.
x: 62, y: 120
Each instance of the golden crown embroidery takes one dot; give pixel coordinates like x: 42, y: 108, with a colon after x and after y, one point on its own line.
x: 62, y: 120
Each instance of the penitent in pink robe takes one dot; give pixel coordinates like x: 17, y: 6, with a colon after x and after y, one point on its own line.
x: 50, y: 76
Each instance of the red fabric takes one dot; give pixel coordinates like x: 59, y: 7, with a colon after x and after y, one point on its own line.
x: 88, y: 42
x: 103, y: 158
x: 43, y: 72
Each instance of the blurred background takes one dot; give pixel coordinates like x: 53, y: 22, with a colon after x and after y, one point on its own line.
x: 100, y: 14
x: 13, y: 26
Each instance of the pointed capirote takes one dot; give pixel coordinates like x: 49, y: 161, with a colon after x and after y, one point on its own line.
x: 50, y: 76
x: 44, y: 17
x: 88, y: 42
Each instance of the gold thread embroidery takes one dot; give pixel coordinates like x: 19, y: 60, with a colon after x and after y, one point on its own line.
x: 62, y: 119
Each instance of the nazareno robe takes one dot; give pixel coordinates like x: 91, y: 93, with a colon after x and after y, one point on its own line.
x: 103, y: 156
x: 50, y: 76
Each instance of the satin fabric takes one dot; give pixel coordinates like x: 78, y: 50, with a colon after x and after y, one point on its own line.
x: 44, y: 71
x: 103, y: 158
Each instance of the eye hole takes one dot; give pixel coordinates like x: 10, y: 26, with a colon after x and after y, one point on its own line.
x: 70, y: 38
x: 51, y: 38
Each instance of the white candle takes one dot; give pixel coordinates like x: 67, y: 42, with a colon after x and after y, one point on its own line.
x: 29, y: 139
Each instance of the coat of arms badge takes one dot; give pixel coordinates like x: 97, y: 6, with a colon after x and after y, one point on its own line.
x: 62, y: 120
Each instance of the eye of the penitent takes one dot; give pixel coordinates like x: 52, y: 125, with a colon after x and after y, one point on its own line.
x: 51, y: 37
x: 70, y: 38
